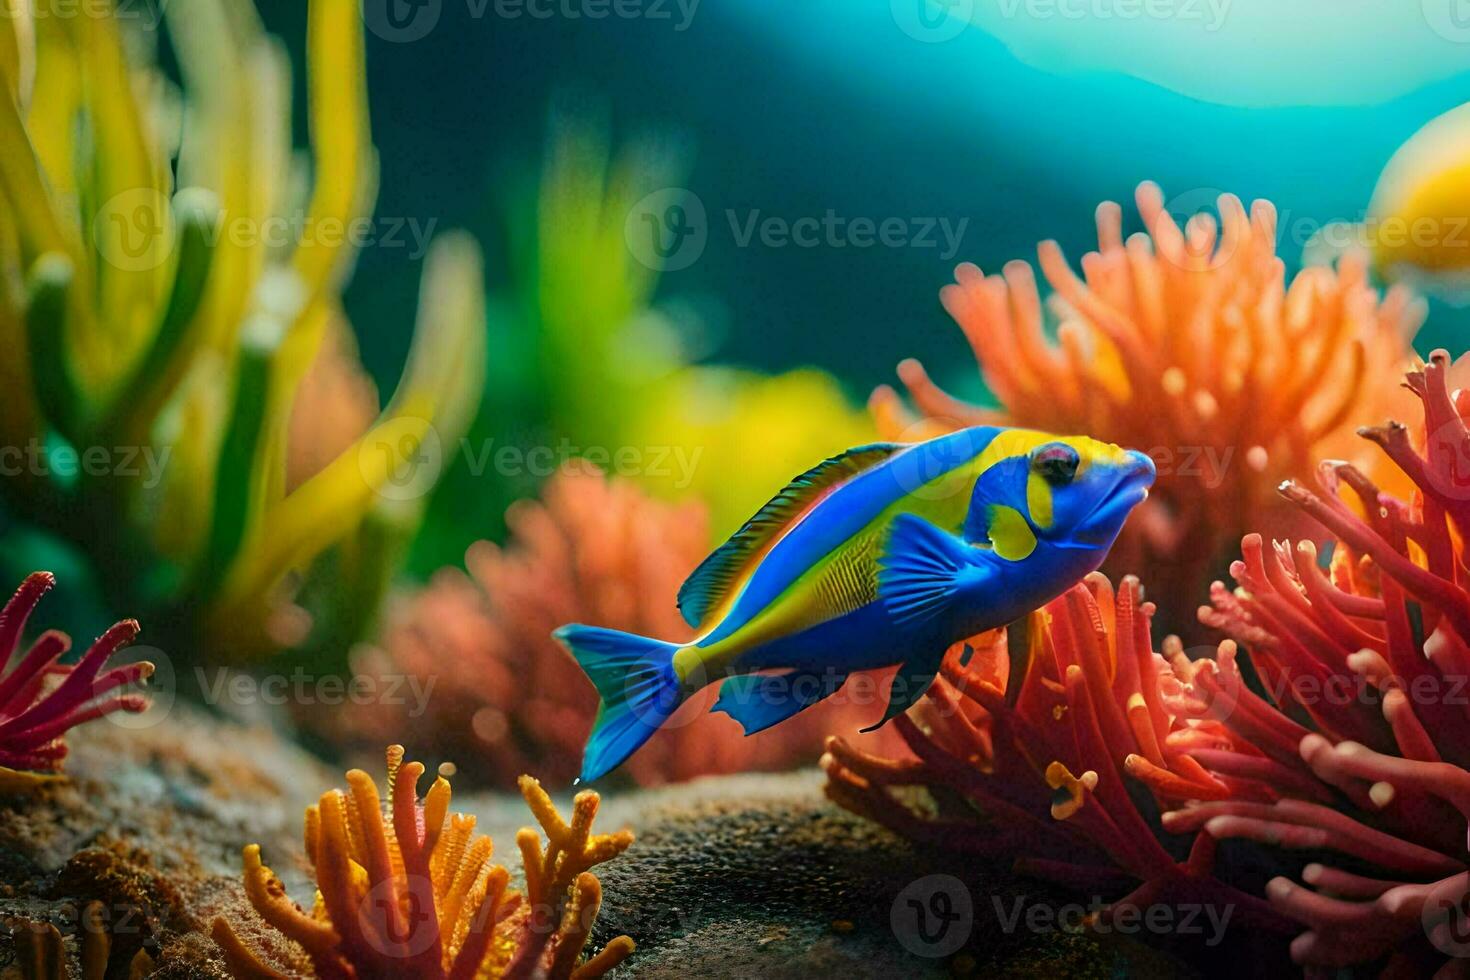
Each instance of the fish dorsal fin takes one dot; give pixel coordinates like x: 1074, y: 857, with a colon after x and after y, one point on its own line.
x: 712, y: 581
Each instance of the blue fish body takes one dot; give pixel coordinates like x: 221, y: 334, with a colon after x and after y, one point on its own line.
x: 887, y: 554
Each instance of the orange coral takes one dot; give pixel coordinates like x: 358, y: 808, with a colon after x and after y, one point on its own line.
x: 596, y: 551
x: 413, y: 892
x: 1190, y: 345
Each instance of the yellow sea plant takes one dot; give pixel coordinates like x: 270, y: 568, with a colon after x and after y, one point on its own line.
x: 167, y: 274
x: 407, y: 889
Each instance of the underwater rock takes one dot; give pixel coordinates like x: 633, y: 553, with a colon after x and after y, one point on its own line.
x: 757, y: 875
x: 149, y: 826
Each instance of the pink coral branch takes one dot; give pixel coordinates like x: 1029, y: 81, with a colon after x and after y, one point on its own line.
x: 1454, y: 603
x: 33, y: 719
x: 1297, y: 824
x: 18, y: 610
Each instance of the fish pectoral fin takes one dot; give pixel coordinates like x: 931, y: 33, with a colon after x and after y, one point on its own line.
x: 922, y: 569
x: 759, y: 701
x: 909, y: 684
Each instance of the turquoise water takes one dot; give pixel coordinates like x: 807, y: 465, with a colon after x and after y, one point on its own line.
x: 1013, y: 123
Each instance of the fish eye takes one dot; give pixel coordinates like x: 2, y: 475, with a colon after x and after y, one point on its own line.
x: 1056, y: 463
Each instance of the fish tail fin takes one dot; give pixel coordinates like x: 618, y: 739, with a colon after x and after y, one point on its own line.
x: 635, y: 678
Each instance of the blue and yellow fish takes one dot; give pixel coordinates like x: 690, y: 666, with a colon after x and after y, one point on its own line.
x: 885, y: 554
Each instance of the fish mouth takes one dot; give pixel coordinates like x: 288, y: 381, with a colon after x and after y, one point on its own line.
x: 1102, y: 523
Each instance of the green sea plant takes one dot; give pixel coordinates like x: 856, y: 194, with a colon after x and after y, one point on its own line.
x: 598, y: 356
x: 166, y: 281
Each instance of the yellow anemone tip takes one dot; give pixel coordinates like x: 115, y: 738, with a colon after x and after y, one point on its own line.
x: 19, y: 781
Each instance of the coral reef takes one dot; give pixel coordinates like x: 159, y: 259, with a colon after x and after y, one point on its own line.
x: 1188, y: 344
x: 598, y: 551
x: 751, y: 874
x: 175, y: 322
x: 1345, y: 732
x: 41, y: 700
x: 1035, y: 769
x: 413, y: 892
x: 1361, y: 742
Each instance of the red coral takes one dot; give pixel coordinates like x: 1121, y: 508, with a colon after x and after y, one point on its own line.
x: 41, y: 700
x: 1041, y: 768
x: 1349, y: 732
x: 1362, y: 742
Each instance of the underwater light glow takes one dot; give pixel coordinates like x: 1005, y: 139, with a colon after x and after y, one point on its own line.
x: 1238, y: 52
x: 1256, y: 53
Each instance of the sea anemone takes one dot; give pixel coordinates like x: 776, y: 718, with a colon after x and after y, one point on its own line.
x: 1190, y: 345
x: 1035, y: 769
x: 595, y: 550
x: 1361, y: 743
x: 409, y: 890
x: 168, y: 317
x: 41, y: 700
